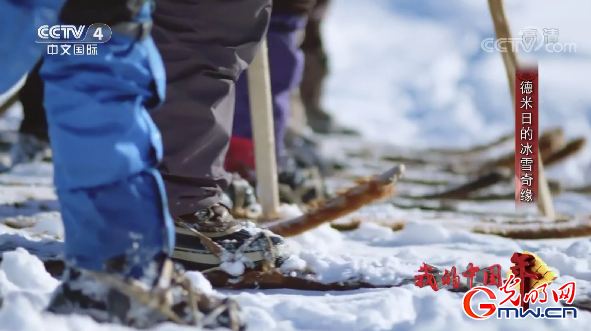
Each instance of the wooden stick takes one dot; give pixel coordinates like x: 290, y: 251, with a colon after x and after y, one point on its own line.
x: 261, y: 108
x: 363, y: 194
x: 502, y: 30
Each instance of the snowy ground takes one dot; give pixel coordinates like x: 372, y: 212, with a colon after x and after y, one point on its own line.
x: 374, y: 252
x: 416, y: 71
x: 379, y: 254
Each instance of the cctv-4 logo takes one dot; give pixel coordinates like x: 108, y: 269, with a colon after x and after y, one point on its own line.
x: 95, y: 33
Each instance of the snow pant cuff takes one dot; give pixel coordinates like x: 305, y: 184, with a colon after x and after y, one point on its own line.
x: 123, y: 219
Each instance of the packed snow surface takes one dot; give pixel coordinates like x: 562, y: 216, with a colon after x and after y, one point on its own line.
x: 378, y: 254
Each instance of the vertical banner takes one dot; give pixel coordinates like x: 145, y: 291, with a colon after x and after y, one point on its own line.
x: 526, y: 135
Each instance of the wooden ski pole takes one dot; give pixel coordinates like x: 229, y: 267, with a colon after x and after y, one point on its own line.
x: 261, y: 108
x: 501, y: 25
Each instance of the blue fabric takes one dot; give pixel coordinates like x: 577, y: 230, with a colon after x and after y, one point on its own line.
x: 19, y: 21
x: 105, y: 149
x: 286, y: 65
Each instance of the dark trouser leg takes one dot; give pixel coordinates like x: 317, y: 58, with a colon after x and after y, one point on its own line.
x: 205, y: 46
x: 31, y: 97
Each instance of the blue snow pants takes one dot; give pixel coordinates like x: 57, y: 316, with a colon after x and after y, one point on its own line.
x: 286, y: 65
x: 105, y: 147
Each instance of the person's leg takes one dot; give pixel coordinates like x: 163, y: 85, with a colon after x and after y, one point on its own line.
x: 34, y: 122
x: 297, y: 121
x: 298, y: 184
x: 315, y: 73
x: 105, y: 146
x: 286, y: 63
x: 18, y: 53
x: 118, y: 232
x: 32, y: 143
x: 205, y: 46
x: 315, y: 70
